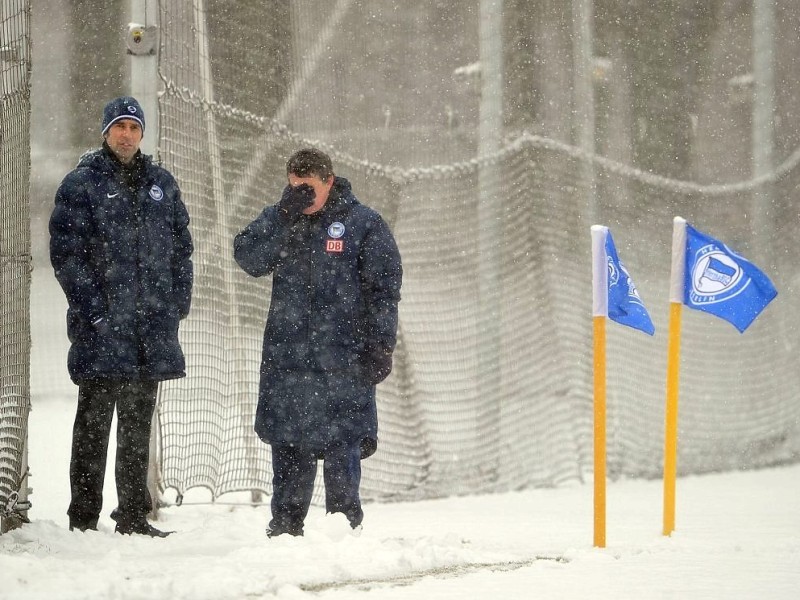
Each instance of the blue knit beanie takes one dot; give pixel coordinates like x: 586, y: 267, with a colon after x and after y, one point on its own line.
x: 124, y: 107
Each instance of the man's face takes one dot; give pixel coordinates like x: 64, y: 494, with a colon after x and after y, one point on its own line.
x: 124, y: 137
x: 321, y: 190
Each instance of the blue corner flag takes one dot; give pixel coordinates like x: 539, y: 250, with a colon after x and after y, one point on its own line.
x: 720, y: 282
x: 624, y: 304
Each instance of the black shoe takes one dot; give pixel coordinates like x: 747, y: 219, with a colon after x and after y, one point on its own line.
x: 82, y: 526
x: 276, y: 531
x: 141, y: 528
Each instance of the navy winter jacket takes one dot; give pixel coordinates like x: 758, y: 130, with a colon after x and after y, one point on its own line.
x: 121, y: 247
x: 335, y: 289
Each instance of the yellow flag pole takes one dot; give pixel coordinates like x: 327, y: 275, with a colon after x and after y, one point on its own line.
x: 600, y: 431
x: 600, y: 314
x: 671, y: 416
x: 673, y: 368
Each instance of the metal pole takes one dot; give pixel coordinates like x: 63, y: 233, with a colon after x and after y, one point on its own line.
x: 142, y: 43
x: 490, y: 129
x: 583, y: 98
x: 763, y: 113
x: 223, y: 229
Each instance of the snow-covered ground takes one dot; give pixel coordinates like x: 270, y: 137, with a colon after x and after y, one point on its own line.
x: 737, y: 536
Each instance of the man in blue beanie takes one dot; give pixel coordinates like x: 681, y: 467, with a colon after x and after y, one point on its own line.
x: 121, y: 250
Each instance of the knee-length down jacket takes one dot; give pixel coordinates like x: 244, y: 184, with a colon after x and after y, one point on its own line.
x: 121, y: 250
x: 336, y: 285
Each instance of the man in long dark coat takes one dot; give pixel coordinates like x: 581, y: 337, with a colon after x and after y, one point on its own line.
x: 329, y: 338
x: 121, y: 247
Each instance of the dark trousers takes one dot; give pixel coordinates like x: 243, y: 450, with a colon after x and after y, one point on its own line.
x: 134, y: 401
x: 293, y: 472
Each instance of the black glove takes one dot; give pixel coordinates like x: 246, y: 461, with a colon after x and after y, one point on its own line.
x: 294, y: 201
x: 376, y: 363
x: 368, y: 446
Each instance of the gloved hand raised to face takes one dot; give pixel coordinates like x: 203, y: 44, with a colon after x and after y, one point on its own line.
x: 294, y: 201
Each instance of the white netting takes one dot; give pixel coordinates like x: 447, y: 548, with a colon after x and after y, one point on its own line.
x: 15, y: 257
x: 492, y: 386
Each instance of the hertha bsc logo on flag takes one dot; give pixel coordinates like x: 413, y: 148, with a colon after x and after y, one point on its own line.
x: 715, y: 276
x: 334, y: 246
x: 723, y: 283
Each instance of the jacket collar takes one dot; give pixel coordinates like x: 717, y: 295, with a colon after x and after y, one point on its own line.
x: 340, y: 197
